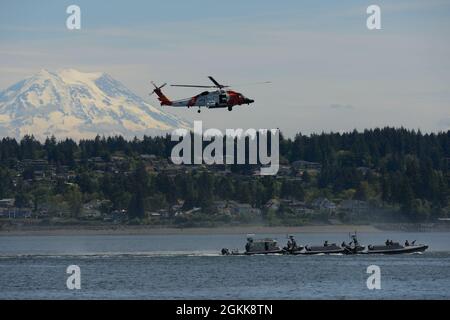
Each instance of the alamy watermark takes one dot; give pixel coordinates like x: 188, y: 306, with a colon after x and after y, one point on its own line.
x: 374, y: 20
x: 74, y: 280
x: 241, y: 147
x: 73, y: 21
x: 374, y: 280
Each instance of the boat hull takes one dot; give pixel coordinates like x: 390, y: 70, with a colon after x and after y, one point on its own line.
x: 227, y: 252
x: 354, y: 250
x: 331, y: 249
x: 254, y: 253
x: 409, y: 249
x: 295, y: 251
x: 312, y: 252
x: 264, y: 252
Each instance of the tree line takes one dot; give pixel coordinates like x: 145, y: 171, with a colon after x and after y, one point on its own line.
x: 390, y: 166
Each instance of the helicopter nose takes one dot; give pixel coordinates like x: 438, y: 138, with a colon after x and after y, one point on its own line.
x: 248, y: 101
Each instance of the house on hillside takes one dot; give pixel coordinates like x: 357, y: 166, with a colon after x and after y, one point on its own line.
x: 354, y: 206
x: 272, y: 204
x: 306, y: 165
x: 244, y: 209
x: 7, y: 203
x: 324, y: 204
x: 297, y: 207
x: 16, y: 213
x: 235, y: 208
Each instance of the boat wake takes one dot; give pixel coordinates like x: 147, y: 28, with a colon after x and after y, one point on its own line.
x: 99, y: 255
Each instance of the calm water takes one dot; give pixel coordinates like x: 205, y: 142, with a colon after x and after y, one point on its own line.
x: 189, y: 267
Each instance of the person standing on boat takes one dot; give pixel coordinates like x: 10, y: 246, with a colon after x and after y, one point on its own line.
x: 289, y: 244
x: 354, y: 240
x: 248, y: 244
x: 293, y: 243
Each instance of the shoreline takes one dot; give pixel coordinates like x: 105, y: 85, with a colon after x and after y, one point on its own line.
x: 140, y: 230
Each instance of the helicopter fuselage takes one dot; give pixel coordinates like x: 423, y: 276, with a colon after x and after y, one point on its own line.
x: 213, y: 99
x: 219, y: 98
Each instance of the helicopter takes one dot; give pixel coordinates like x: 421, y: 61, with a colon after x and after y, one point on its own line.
x: 220, y: 98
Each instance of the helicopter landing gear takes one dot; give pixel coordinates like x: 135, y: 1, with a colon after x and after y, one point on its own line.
x: 230, y: 108
x: 199, y: 110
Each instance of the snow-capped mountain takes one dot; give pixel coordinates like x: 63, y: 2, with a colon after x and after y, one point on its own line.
x: 69, y: 103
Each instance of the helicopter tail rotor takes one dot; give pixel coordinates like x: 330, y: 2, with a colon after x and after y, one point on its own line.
x: 157, y: 88
x: 161, y: 97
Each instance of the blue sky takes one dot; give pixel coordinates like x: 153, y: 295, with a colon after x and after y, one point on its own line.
x: 329, y: 72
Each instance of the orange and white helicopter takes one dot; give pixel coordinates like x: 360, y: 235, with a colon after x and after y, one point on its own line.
x: 219, y: 98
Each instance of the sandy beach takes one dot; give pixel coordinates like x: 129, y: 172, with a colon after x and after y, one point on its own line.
x: 144, y: 230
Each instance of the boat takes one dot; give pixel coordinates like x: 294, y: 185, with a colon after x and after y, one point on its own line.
x: 292, y: 247
x: 270, y: 246
x: 354, y: 247
x: 258, y: 246
x: 332, y: 248
x: 396, y: 248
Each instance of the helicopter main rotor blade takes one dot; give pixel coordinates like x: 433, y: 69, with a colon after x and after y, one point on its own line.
x: 190, y: 86
x: 218, y: 85
x: 251, y: 83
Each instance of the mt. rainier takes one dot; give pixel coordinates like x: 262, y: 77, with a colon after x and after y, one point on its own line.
x: 69, y: 103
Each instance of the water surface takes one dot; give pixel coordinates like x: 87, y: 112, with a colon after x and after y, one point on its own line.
x: 189, y: 267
